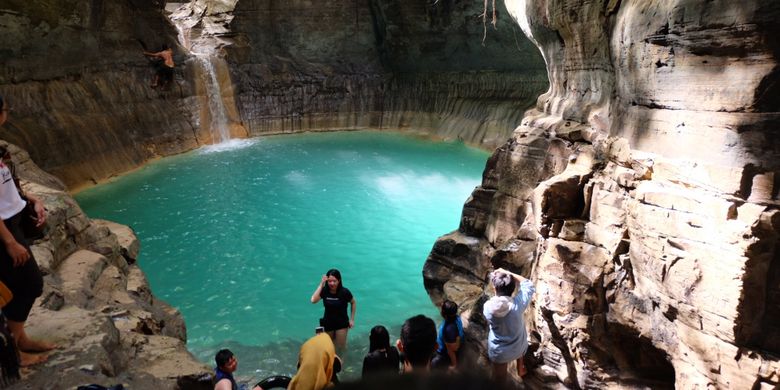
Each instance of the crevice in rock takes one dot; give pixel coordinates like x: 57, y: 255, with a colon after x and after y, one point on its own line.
x: 560, y: 342
x: 638, y: 360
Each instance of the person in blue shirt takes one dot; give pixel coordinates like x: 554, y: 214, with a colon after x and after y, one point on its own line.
x: 227, y: 363
x: 450, y: 338
x: 507, y: 339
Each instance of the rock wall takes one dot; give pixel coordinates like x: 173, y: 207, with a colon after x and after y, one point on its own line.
x: 87, y: 112
x: 639, y: 195
x: 97, y: 305
x: 78, y: 83
x: 400, y: 65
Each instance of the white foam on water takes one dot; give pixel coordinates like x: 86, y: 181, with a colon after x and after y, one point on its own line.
x: 229, y: 145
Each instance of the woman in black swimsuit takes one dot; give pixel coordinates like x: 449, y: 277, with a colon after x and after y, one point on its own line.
x: 335, y: 297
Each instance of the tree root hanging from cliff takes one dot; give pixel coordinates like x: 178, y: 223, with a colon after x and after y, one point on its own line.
x: 484, y: 20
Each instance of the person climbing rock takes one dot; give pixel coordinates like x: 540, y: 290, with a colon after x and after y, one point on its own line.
x: 507, y: 339
x: 164, y: 74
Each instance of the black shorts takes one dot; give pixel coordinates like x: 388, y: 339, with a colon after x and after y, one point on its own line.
x: 25, y: 281
x: 333, y: 324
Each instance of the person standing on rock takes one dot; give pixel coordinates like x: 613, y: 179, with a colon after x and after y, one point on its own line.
x: 18, y: 268
x: 164, y: 74
x: 335, y: 297
x: 507, y: 339
x: 450, y: 338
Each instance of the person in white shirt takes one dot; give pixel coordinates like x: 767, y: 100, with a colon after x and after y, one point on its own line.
x: 18, y: 269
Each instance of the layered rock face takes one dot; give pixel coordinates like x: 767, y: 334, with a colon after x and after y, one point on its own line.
x: 79, y: 84
x: 402, y: 65
x: 97, y: 305
x: 75, y: 75
x: 639, y: 195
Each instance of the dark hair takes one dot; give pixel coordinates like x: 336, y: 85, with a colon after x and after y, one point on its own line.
x: 378, y: 338
x: 418, y: 336
x: 336, y: 274
x: 449, y: 310
x: 503, y: 282
x: 222, y: 357
x: 165, y: 47
x: 2, y: 103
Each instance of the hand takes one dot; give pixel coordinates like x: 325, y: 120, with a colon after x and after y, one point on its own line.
x: 18, y: 253
x: 41, y: 213
x: 324, y: 279
x: 351, y: 324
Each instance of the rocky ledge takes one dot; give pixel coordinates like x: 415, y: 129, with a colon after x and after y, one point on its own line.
x: 640, y: 195
x: 97, y: 304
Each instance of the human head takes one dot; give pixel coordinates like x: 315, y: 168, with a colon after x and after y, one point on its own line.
x: 503, y: 282
x: 418, y: 341
x: 378, y: 338
x: 334, y: 279
x: 449, y: 310
x: 226, y: 361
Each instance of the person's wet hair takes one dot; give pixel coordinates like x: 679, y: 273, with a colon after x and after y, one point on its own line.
x: 503, y: 282
x: 418, y: 336
x: 2, y: 103
x: 336, y: 274
x: 222, y: 357
x: 449, y: 310
x: 379, y: 338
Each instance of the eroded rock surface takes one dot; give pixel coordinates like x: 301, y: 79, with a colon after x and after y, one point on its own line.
x: 640, y: 197
x: 97, y: 305
x: 87, y: 113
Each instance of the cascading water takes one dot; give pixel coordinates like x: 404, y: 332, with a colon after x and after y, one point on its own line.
x: 205, y: 48
x: 219, y: 126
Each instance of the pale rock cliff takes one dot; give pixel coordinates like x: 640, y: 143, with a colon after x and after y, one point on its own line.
x: 97, y: 305
x: 640, y: 196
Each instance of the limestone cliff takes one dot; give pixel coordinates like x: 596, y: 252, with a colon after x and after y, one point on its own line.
x: 78, y: 83
x: 97, y: 305
x: 400, y: 65
x: 640, y: 197
x: 84, y: 110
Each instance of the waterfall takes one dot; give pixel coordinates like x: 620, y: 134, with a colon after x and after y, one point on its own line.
x: 219, y: 126
x: 218, y: 113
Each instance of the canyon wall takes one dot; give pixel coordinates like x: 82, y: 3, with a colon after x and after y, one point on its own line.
x: 639, y: 195
x: 76, y: 78
x: 383, y: 64
x: 83, y: 108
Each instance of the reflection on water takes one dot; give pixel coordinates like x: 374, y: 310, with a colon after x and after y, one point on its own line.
x: 238, y: 240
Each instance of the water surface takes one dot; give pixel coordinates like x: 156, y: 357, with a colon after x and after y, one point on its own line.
x: 238, y: 237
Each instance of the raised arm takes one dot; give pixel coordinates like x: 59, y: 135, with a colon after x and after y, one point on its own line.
x: 316, y: 296
x: 517, y: 277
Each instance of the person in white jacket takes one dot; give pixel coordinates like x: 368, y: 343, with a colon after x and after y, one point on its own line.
x: 507, y: 339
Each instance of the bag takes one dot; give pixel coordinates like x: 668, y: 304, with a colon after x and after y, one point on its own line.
x: 5, y: 295
x: 9, y: 357
x: 29, y: 222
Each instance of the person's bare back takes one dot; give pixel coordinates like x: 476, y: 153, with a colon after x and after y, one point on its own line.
x: 166, y: 55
